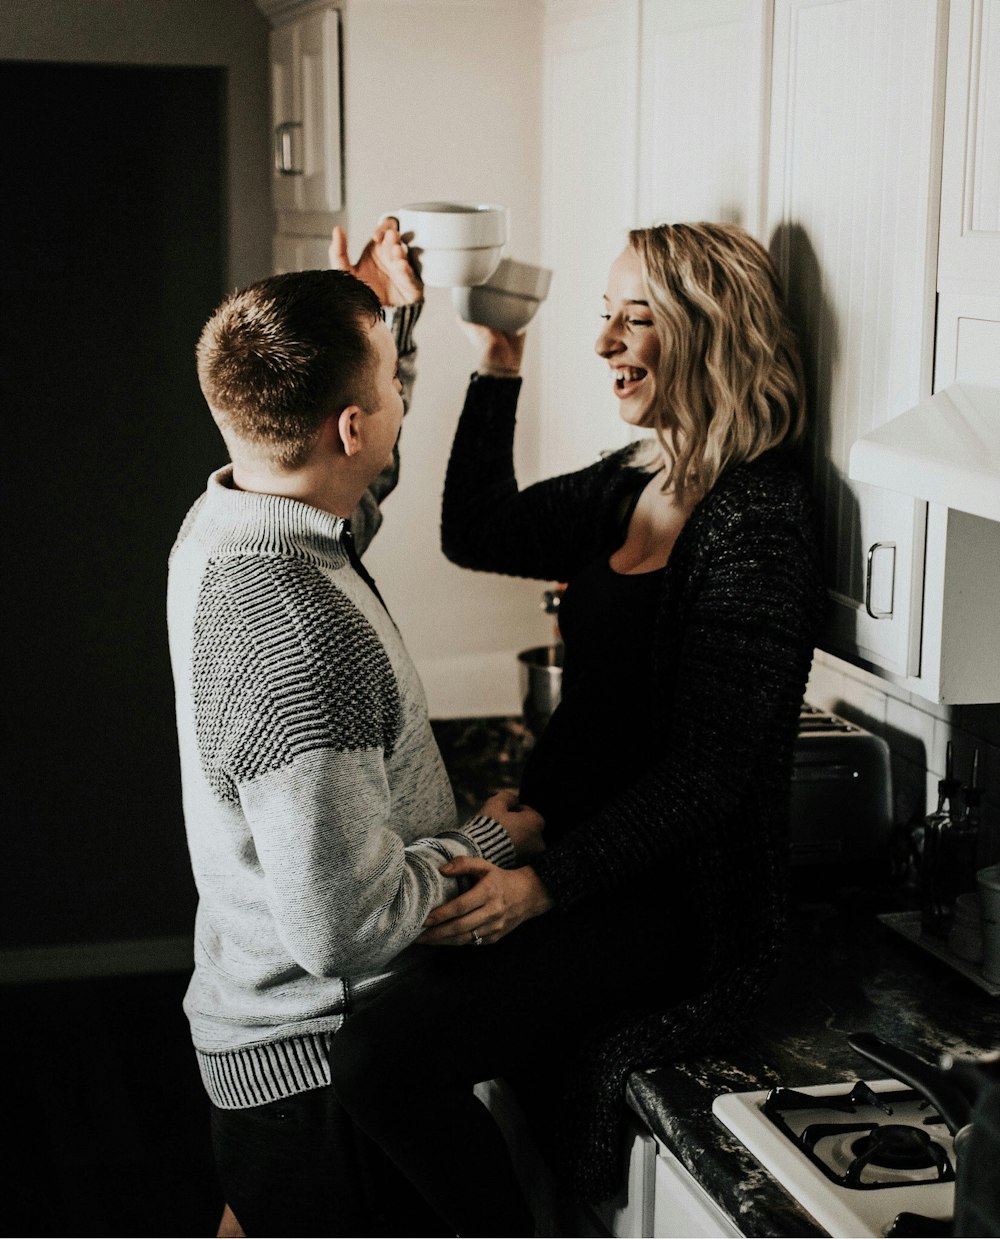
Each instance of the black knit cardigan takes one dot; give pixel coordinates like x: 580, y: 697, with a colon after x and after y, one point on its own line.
x: 737, y: 619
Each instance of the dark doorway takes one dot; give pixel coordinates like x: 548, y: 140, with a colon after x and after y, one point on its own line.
x: 112, y: 258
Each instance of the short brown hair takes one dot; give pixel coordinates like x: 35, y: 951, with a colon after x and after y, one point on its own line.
x: 729, y: 385
x: 278, y: 357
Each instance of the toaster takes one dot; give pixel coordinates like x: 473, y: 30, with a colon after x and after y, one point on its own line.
x: 841, y: 797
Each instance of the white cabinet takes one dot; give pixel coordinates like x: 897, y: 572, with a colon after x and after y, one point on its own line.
x: 961, y: 568
x: 654, y: 110
x: 970, y: 191
x: 295, y: 253
x: 660, y: 1198
x: 682, y: 1209
x: 305, y: 114
x: 703, y: 111
x: 857, y: 99
x: 588, y: 195
x: 960, y: 638
x: 816, y: 124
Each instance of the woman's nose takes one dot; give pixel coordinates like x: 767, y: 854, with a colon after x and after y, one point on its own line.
x: 608, y: 342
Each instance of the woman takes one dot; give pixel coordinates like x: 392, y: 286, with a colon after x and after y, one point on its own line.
x: 653, y: 919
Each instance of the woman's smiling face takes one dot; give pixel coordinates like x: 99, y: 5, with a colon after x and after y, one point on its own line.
x: 628, y: 341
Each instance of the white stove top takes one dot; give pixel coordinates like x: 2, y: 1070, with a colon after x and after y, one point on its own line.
x: 840, y: 1209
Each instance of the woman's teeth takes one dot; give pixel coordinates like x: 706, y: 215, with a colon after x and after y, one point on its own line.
x: 628, y: 374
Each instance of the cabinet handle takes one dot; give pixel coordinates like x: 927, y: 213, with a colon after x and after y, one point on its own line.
x: 880, y: 546
x: 284, y: 157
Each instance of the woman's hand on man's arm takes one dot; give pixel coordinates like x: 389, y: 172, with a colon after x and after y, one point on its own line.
x: 500, y: 900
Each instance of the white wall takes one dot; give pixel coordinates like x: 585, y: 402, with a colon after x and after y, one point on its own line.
x: 442, y: 101
x: 173, y: 32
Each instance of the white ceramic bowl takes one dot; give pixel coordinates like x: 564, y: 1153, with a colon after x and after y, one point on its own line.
x: 454, y: 244
x: 453, y: 225
x: 509, y: 298
x: 456, y: 268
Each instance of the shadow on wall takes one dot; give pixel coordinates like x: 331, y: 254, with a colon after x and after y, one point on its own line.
x: 819, y: 339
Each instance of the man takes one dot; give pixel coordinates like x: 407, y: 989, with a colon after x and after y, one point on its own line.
x: 317, y: 808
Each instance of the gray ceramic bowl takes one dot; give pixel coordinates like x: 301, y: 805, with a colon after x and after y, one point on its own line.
x: 508, y: 300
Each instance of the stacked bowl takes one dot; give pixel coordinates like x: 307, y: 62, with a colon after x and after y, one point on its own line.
x: 454, y: 244
x: 507, y: 301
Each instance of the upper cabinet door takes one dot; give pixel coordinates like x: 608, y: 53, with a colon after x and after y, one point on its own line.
x: 856, y: 117
x: 588, y: 191
x: 305, y: 113
x: 703, y: 111
x: 970, y: 193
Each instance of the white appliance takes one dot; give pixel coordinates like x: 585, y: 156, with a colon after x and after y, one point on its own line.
x: 865, y: 1159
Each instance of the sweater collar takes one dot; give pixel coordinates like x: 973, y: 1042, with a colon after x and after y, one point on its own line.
x: 239, y: 522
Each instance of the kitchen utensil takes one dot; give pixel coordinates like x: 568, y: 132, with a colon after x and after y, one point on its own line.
x: 988, y: 881
x: 454, y: 244
x: 508, y: 300
x: 541, y: 684
x: 951, y: 1090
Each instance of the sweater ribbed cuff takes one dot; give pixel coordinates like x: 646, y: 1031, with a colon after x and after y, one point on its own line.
x: 492, y: 840
x: 401, y: 319
x: 480, y: 376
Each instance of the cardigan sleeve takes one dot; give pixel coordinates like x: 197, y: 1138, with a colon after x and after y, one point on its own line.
x: 547, y: 530
x: 739, y: 668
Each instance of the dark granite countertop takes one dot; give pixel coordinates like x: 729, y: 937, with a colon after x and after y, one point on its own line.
x: 843, y: 972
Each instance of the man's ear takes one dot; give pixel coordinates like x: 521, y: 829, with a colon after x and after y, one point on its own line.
x: 348, y: 429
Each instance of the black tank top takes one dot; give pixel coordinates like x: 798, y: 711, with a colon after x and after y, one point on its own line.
x: 599, y: 738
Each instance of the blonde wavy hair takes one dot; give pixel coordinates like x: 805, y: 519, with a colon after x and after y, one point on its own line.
x: 729, y: 382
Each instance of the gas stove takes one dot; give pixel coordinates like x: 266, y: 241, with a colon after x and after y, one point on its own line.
x: 872, y: 1158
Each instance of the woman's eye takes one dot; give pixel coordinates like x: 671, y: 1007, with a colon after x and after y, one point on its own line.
x: 606, y: 317
x: 639, y: 322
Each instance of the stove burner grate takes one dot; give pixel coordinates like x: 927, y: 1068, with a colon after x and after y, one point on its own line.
x: 896, y: 1148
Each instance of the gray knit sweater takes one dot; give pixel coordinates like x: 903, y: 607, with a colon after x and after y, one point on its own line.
x: 316, y: 804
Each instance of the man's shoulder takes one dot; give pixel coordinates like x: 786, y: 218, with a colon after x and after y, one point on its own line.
x: 271, y: 598
x: 187, y: 525
x: 284, y: 663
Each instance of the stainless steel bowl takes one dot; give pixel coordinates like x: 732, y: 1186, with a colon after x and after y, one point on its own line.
x: 540, y: 672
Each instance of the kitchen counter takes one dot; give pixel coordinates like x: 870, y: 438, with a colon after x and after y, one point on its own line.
x: 843, y: 972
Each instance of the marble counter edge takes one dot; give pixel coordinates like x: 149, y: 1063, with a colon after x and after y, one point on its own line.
x: 745, y: 1191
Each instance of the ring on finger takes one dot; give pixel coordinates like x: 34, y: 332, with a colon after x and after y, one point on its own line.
x: 477, y: 937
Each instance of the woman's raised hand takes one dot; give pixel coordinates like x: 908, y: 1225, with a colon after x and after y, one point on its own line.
x: 499, y: 352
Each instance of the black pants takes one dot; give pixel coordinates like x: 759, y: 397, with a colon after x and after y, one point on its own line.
x: 405, y: 1066
x: 301, y: 1167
